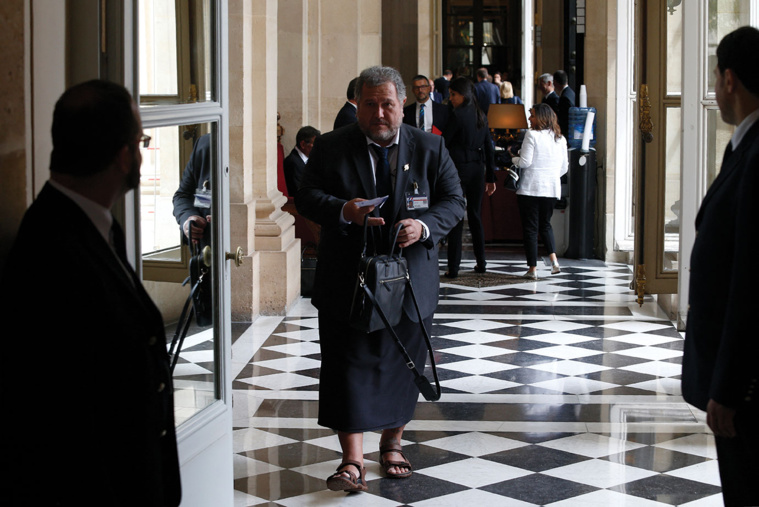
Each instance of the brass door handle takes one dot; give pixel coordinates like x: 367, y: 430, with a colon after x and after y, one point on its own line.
x: 237, y: 256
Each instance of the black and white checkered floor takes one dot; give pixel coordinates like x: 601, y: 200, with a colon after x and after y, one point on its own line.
x: 558, y: 392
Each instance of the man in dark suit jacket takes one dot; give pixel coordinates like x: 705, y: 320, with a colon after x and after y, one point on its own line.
x: 364, y: 383
x: 295, y: 162
x: 192, y: 200
x: 720, y: 372
x: 88, y: 385
x: 566, y: 100
x: 347, y: 113
x: 442, y: 83
x: 550, y: 97
x: 435, y: 116
x: 487, y: 92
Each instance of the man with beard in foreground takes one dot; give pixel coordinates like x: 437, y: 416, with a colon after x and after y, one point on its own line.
x: 88, y: 386
x: 364, y: 383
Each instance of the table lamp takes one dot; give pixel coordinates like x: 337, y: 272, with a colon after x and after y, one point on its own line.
x: 508, y: 117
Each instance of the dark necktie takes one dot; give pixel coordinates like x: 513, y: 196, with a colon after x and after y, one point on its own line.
x: 118, y: 243
x: 382, y: 173
x: 421, y: 117
x: 728, y: 152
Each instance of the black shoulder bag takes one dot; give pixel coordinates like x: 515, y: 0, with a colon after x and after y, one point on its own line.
x: 381, y: 283
x: 513, y: 177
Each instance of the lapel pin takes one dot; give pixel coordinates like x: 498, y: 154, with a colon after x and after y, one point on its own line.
x: 405, y: 167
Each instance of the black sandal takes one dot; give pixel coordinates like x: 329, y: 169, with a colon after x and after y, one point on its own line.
x: 339, y: 482
x: 387, y: 464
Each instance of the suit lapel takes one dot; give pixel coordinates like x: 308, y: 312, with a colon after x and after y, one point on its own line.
x: 88, y: 234
x: 361, y: 163
x: 406, y: 146
x: 732, y: 162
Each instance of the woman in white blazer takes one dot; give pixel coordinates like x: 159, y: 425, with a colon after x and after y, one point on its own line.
x: 543, y: 159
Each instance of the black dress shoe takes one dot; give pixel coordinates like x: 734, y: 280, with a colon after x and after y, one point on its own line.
x: 451, y: 274
x: 479, y: 269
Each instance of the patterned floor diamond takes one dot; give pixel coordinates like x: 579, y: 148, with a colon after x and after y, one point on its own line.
x: 525, y: 379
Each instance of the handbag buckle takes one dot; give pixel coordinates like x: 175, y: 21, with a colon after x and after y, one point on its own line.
x: 411, y: 365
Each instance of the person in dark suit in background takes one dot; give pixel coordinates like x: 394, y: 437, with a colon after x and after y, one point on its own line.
x: 487, y: 92
x: 720, y: 373
x: 192, y: 200
x: 550, y: 97
x: 295, y: 162
x: 441, y: 83
x: 424, y: 113
x: 566, y: 100
x: 434, y: 94
x: 347, y: 113
x: 364, y: 383
x: 105, y: 425
x: 468, y: 140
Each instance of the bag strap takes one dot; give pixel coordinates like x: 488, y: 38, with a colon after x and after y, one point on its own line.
x: 420, y: 380
x: 185, y: 318
x: 183, y: 325
x: 366, y: 232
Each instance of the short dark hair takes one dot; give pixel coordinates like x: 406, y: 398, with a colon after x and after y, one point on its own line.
x: 92, y: 121
x: 351, y: 93
x: 737, y: 52
x: 560, y: 78
x: 447, y: 72
x: 482, y: 73
x: 306, y: 133
x: 420, y: 76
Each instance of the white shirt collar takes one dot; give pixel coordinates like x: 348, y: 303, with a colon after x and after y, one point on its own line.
x: 744, y: 127
x: 101, y: 217
x: 303, y: 156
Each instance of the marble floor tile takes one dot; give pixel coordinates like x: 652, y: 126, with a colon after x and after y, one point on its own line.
x: 562, y: 392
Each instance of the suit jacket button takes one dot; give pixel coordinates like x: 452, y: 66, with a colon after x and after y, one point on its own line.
x: 161, y: 387
x: 152, y: 340
x: 163, y: 433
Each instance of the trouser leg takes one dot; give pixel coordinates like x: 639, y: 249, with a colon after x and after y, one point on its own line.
x: 528, y: 212
x: 546, y: 206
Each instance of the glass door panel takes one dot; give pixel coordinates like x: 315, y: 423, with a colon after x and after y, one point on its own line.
x: 176, y: 45
x: 671, y: 205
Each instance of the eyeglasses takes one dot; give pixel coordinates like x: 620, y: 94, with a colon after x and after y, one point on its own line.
x: 423, y: 87
x: 145, y: 140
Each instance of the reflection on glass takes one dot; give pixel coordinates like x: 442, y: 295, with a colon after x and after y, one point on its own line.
x: 724, y: 17
x: 718, y: 134
x: 175, y: 175
x: 176, y: 51
x: 672, y: 204
x: 674, y: 52
x: 461, y: 31
x: 491, y: 33
x: 158, y: 48
x: 159, y: 179
x: 461, y: 61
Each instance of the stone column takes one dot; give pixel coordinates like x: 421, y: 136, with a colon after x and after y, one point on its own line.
x: 274, y: 231
x: 269, y: 283
x: 292, y: 69
x: 15, y: 193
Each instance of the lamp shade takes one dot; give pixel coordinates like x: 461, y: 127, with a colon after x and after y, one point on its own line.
x: 507, y: 116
